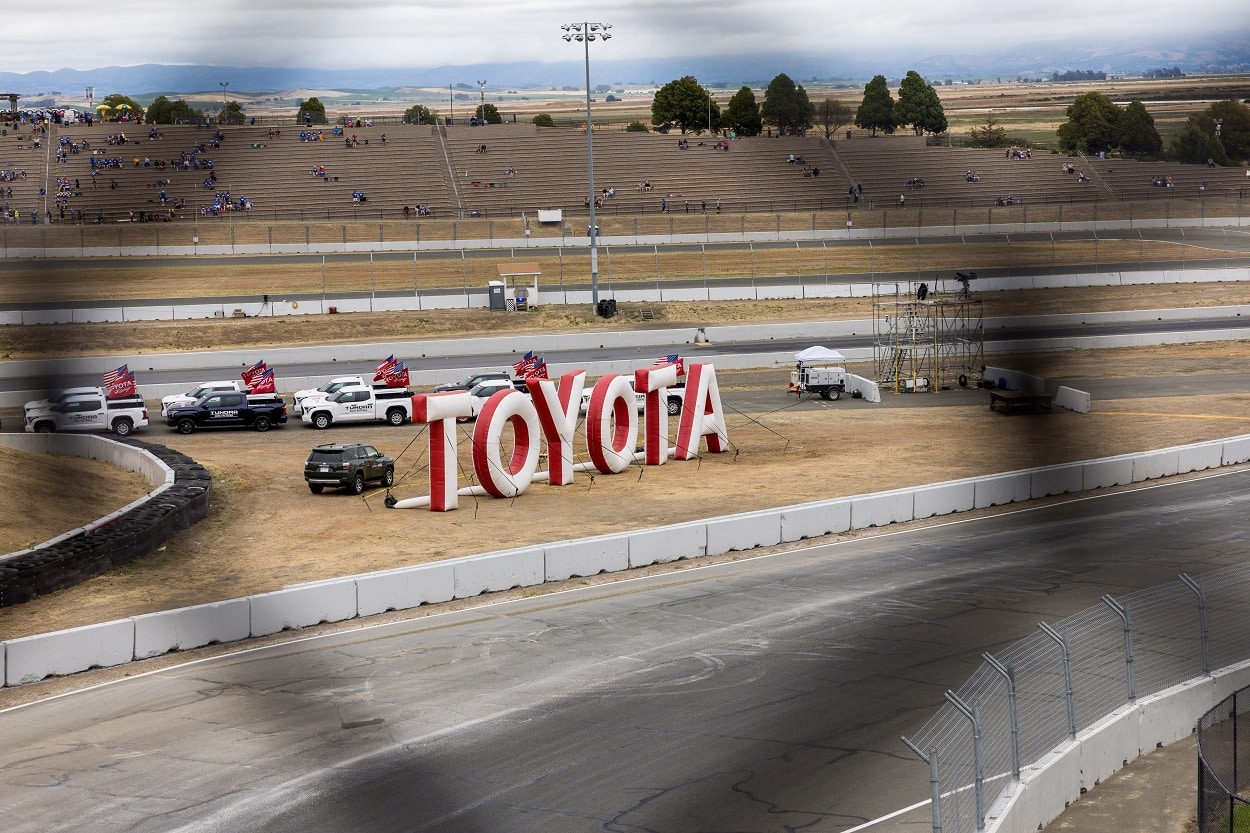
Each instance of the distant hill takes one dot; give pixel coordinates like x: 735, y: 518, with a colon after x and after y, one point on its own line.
x: 146, y: 80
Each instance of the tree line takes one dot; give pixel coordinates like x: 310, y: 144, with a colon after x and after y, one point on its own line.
x: 1219, y: 134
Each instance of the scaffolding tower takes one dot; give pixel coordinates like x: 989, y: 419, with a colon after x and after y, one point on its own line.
x: 927, y: 339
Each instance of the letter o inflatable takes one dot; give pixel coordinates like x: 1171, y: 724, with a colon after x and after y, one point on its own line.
x: 507, y: 407
x: 612, y: 448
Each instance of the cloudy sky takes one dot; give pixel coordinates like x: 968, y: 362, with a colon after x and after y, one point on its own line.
x: 348, y: 34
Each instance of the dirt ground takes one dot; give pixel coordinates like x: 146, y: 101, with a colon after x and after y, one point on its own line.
x: 265, y: 530
x: 47, y: 496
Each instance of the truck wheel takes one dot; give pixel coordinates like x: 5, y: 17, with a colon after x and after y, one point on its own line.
x: 674, y: 406
x: 123, y: 427
x: 186, y: 425
x: 835, y: 393
x: 388, y: 479
x: 358, y: 483
x: 262, y: 423
x: 45, y: 428
x: 315, y: 488
x: 395, y: 416
x: 826, y: 394
x: 321, y: 421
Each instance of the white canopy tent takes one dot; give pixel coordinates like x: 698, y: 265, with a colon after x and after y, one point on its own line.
x: 819, y: 354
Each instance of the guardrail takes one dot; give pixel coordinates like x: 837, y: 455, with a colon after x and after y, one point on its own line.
x: 33, y: 658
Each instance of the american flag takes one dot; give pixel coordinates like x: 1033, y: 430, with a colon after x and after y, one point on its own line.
x: 538, y: 370
x: 672, y: 358
x: 263, y: 382
x: 526, y: 364
x: 396, y: 377
x: 385, y: 367
x: 113, y: 375
x: 253, y: 373
x: 122, y: 386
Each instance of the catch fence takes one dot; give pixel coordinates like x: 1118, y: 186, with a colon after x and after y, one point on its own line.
x: 1224, y: 766
x: 1046, y: 688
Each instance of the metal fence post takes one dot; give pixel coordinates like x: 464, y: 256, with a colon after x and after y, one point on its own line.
x: 1128, y: 645
x: 1010, y: 677
x: 1202, y: 621
x: 974, y: 716
x: 935, y: 784
x: 1067, y: 675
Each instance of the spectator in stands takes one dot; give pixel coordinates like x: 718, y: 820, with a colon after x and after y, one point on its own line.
x: 902, y: 200
x: 663, y: 205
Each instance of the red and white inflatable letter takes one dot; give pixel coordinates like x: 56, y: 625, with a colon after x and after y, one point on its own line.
x: 611, y: 447
x: 701, y: 414
x: 653, y: 382
x: 439, y: 411
x: 557, y: 403
x: 507, y: 407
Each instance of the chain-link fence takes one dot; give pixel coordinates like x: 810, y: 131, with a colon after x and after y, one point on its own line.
x: 1224, y: 766
x: 1050, y: 685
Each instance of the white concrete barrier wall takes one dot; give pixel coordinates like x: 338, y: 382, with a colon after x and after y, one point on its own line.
x: 191, y: 627
x: 1072, y: 399
x: 1056, y: 480
x: 1015, y: 380
x: 495, y: 571
x: 743, y: 532
x: 662, y: 544
x: 299, y: 607
x: 881, y: 508
x: 586, y: 557
x: 1001, y: 489
x: 943, y: 498
x: 1200, y: 456
x: 1236, y: 450
x: 405, y: 588
x: 1111, y: 471
x: 1151, y: 465
x: 32, y: 658
x: 813, y: 520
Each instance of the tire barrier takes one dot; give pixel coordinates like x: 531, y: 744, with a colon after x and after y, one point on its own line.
x: 72, y: 560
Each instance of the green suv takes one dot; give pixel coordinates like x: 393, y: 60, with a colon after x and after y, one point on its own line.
x: 349, y: 465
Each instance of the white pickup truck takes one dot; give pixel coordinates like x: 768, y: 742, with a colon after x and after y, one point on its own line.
x: 323, y: 392
x: 89, y: 412
x: 360, y: 403
x: 192, y: 396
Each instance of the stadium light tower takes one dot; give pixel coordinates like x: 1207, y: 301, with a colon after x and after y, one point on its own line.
x: 223, y: 85
x: 584, y: 33
x: 481, y: 110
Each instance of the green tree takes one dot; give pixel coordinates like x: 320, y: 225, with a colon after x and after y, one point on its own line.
x: 831, y: 114
x: 122, y: 104
x: 1196, y: 147
x: 164, y: 111
x: 1136, y: 133
x: 544, y: 120
x: 683, y: 104
x: 1234, y: 132
x: 1092, y: 125
x: 876, y: 111
x: 420, y: 114
x: 918, y: 105
x: 742, y: 114
x: 233, y: 113
x: 636, y: 127
x: 786, y: 106
x: 992, y: 135
x: 312, y: 111
x: 488, y: 113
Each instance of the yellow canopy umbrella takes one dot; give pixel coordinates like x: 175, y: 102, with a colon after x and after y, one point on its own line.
x: 103, y: 107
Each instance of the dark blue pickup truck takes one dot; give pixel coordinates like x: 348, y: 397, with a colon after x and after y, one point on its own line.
x: 228, y: 409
